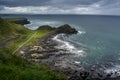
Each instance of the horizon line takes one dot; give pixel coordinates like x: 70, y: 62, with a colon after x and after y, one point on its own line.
x: 59, y: 14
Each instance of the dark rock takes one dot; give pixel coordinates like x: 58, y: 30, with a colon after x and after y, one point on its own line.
x: 67, y: 29
x: 109, y: 75
x: 100, y: 75
x: 84, y: 75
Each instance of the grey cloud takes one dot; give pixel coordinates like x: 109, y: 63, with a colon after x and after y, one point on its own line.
x: 46, y: 2
x: 61, y: 6
x: 1, y: 7
x: 23, y: 2
x: 73, y: 2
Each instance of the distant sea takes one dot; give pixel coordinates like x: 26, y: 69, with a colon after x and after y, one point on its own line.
x: 97, y: 43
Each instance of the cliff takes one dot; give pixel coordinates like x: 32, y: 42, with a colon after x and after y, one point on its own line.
x: 21, y: 21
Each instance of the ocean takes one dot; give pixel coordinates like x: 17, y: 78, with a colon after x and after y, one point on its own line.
x: 97, y: 44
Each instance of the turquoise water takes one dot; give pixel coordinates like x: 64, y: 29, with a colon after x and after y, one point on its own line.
x: 98, y: 40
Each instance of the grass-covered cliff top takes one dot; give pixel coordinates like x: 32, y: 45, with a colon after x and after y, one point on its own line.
x: 21, y: 21
x: 12, y: 37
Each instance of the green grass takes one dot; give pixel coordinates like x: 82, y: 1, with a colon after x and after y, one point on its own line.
x: 39, y: 34
x: 13, y: 67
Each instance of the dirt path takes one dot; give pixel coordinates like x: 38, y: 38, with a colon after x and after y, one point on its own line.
x: 24, y: 43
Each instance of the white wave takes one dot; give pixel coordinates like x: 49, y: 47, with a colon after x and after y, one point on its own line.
x: 81, y: 32
x: 67, y: 45
x: 77, y: 62
x: 115, y: 70
x: 64, y: 44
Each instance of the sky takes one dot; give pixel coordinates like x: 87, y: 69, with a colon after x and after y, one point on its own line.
x: 102, y: 7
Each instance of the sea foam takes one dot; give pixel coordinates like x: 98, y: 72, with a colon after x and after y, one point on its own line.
x: 114, y: 70
x: 81, y: 32
x: 64, y: 44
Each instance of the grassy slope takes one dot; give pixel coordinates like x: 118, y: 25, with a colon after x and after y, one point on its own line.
x: 13, y: 34
x: 39, y: 33
x: 15, y: 68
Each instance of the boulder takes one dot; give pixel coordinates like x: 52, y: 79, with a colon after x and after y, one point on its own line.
x: 36, y: 55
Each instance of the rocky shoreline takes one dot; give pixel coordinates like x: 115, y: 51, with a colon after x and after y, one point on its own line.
x: 44, y: 51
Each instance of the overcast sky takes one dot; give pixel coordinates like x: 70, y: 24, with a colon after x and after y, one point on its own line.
x: 107, y: 7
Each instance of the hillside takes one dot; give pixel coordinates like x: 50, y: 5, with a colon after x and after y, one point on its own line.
x: 11, y: 29
x: 12, y: 35
x: 12, y: 67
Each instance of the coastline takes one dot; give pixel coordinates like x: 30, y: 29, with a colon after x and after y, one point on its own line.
x: 45, y: 52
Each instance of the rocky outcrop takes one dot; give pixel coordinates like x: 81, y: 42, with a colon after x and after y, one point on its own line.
x: 67, y: 29
x: 21, y: 21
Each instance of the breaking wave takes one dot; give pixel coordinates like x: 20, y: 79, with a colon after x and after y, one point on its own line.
x: 63, y: 43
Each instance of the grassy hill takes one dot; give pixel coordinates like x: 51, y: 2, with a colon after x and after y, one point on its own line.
x: 13, y: 67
